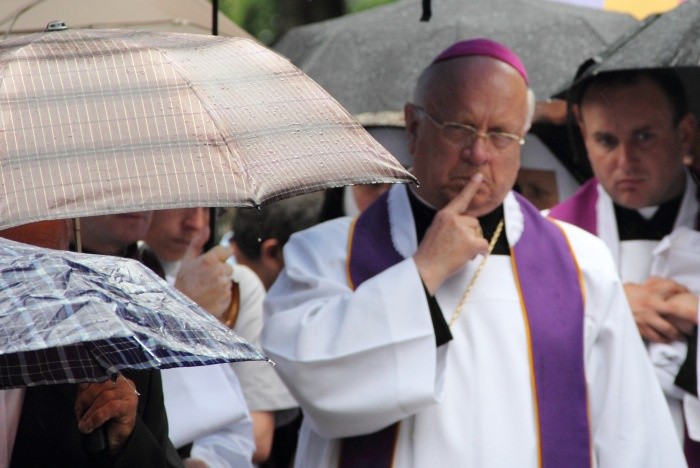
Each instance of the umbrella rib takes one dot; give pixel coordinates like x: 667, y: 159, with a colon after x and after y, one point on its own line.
x: 178, y: 69
x: 687, y: 42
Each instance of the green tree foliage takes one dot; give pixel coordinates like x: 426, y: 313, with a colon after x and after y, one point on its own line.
x: 353, y: 6
x: 269, y: 19
x: 258, y: 17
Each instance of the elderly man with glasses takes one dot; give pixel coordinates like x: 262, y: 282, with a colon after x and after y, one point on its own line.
x: 451, y: 324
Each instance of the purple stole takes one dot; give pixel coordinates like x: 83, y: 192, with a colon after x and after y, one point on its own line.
x: 549, y: 284
x: 580, y: 209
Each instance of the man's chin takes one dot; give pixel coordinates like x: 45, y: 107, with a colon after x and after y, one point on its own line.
x: 633, y: 200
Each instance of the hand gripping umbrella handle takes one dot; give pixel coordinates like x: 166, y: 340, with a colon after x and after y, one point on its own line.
x: 96, y: 442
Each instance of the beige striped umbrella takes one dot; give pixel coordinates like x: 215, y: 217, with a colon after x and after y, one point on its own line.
x: 108, y: 121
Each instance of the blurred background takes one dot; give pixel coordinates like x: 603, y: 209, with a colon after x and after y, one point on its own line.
x: 266, y: 20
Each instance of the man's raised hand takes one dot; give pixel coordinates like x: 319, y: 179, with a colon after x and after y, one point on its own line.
x: 453, y: 239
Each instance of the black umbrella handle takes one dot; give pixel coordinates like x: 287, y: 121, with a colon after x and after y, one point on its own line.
x: 427, y: 11
x: 96, y: 442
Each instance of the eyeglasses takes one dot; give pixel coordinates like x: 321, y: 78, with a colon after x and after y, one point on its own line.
x: 466, y: 135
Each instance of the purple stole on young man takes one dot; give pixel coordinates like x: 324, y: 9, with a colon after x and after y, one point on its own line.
x: 580, y: 209
x: 549, y: 283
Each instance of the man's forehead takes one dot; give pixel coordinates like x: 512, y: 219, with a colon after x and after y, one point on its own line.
x: 460, y: 74
x: 611, y: 120
x: 608, y: 91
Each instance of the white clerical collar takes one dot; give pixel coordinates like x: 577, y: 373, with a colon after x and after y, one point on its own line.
x: 170, y: 268
x: 648, y: 212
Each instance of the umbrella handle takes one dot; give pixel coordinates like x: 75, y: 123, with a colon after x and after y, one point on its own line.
x: 95, y: 442
x: 231, y: 314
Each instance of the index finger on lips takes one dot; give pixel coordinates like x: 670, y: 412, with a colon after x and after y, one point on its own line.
x: 196, y: 245
x: 460, y: 203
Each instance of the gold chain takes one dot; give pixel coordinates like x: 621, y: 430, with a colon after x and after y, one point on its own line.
x: 470, y: 286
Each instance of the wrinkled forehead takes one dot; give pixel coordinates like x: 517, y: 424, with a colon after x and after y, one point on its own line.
x: 455, y: 75
x: 474, y: 82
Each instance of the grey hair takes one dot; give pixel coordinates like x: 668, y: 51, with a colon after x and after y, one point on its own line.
x: 531, y: 102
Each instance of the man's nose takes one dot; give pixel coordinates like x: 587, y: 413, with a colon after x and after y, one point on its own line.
x: 626, y: 154
x: 197, y: 218
x: 478, y: 152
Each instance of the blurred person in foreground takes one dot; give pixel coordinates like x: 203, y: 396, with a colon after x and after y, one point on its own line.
x: 451, y: 324
x: 55, y: 419
x: 209, y: 419
x: 638, y: 131
x: 175, y: 239
x: 259, y: 236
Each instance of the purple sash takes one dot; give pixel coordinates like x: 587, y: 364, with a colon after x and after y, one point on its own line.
x: 372, y: 245
x: 550, y: 288
x: 542, y: 259
x: 580, y: 209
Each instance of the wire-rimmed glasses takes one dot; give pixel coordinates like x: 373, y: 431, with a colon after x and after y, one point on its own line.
x: 466, y: 135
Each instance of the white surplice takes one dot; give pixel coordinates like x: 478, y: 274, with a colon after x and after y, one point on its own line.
x: 678, y: 257
x: 206, y: 407
x: 359, y: 361
x: 636, y: 261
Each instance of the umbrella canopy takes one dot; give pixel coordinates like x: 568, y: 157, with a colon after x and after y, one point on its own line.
x: 20, y: 17
x: 667, y: 40
x: 68, y: 317
x: 108, y: 121
x: 370, y: 60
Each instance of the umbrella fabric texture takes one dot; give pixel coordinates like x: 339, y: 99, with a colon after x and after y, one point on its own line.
x: 369, y: 61
x: 67, y: 317
x: 667, y: 40
x: 108, y: 121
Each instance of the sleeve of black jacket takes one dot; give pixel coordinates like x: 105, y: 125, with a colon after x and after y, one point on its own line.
x: 440, y: 325
x: 48, y: 435
x: 149, y: 444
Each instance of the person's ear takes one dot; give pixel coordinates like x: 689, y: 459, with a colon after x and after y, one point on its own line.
x: 688, y: 128
x: 271, y: 254
x: 411, y: 118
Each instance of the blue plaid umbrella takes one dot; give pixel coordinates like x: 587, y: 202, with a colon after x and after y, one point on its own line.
x: 67, y: 317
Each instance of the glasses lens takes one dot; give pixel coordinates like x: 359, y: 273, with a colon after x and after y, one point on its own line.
x: 501, y: 140
x: 459, y: 134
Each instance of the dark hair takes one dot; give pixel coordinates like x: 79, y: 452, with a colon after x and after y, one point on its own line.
x: 278, y: 220
x: 666, y: 79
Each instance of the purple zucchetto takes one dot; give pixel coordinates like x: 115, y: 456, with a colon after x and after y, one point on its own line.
x: 485, y: 47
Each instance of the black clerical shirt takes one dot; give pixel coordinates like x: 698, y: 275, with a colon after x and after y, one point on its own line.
x: 631, y: 225
x: 423, y: 216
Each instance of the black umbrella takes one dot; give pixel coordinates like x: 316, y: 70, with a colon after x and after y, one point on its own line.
x: 667, y: 40
x: 369, y: 61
